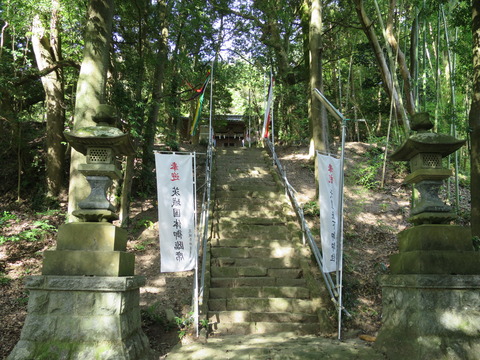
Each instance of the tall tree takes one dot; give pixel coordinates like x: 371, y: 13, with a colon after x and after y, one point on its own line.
x: 148, y: 160
x: 474, y: 119
x: 385, y: 71
x: 48, y: 51
x: 316, y: 110
x: 90, y: 87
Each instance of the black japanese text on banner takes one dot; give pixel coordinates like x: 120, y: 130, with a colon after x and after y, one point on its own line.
x: 176, y: 212
x: 328, y: 183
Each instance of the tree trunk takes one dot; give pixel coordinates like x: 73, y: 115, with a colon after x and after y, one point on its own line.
x: 90, y: 87
x: 148, y: 159
x: 46, y: 53
x: 124, y: 214
x: 474, y: 119
x: 387, y: 78
x: 316, y: 110
x: 402, y: 62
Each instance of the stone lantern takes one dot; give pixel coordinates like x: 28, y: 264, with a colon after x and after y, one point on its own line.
x: 432, y: 246
x: 94, y: 246
x: 85, y: 305
x: 425, y: 151
x: 431, y: 298
x: 101, y: 145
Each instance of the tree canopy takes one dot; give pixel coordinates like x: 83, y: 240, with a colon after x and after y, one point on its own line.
x: 378, y: 63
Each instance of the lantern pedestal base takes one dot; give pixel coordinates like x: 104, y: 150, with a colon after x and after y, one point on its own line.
x: 432, y: 218
x: 90, y: 249
x: 430, y: 317
x: 435, y: 249
x: 78, y: 317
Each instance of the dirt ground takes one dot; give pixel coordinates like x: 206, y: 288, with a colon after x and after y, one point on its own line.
x: 373, y: 217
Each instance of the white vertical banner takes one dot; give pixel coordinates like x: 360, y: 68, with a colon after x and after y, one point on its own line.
x: 268, y: 108
x: 176, y: 212
x: 328, y: 183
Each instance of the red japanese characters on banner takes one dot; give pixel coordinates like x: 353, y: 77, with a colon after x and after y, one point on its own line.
x: 176, y: 212
x: 328, y: 184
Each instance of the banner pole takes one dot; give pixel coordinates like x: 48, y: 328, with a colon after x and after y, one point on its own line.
x: 339, y: 275
x: 195, y: 236
x: 339, y: 116
x: 210, y: 128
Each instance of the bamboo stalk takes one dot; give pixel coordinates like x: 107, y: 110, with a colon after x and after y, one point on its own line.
x: 453, y: 129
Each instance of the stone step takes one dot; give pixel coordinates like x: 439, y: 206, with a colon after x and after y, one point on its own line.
x: 233, y: 282
x: 276, y: 203
x: 254, y: 271
x: 255, y: 232
x: 244, y: 161
x: 288, y: 215
x: 245, y: 181
x: 247, y: 328
x: 252, y: 205
x: 260, y: 292
x: 248, y: 316
x: 265, y: 305
x: 226, y: 221
x: 264, y: 328
x: 270, y: 263
x: 242, y: 155
x: 240, y: 163
x: 250, y: 190
x: 253, y: 252
x: 229, y: 228
x: 253, y: 243
x: 251, y: 193
x: 245, y: 152
x: 254, y: 170
x: 253, y: 175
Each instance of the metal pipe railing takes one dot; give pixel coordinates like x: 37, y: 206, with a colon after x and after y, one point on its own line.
x: 203, y: 234
x: 334, y: 294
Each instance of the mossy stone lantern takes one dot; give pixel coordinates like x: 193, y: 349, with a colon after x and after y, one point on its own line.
x: 432, y: 245
x: 100, y: 144
x: 94, y: 246
x: 425, y: 151
x: 86, y: 303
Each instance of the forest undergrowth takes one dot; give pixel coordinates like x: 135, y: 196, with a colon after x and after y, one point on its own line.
x: 373, y: 217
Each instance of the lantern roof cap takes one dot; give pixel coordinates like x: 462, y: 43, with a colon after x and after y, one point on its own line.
x: 427, y: 142
x: 104, y: 134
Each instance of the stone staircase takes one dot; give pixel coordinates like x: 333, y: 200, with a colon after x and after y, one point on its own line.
x: 260, y: 278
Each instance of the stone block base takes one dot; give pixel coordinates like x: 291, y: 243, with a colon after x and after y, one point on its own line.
x: 435, y: 249
x: 76, y: 317
x: 90, y: 263
x: 91, y: 249
x: 430, y: 317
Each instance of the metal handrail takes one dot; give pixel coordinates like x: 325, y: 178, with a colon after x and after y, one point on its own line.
x: 205, y: 215
x: 334, y: 295
x: 203, y: 235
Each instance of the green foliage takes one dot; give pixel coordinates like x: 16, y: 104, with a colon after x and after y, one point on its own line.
x: 476, y: 243
x: 144, y: 223
x: 183, y: 323
x: 139, y: 247
x: 204, y: 323
x: 38, y: 231
x: 311, y: 208
x: 366, y: 173
x: 4, y: 280
x: 154, y: 315
x: 6, y: 218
